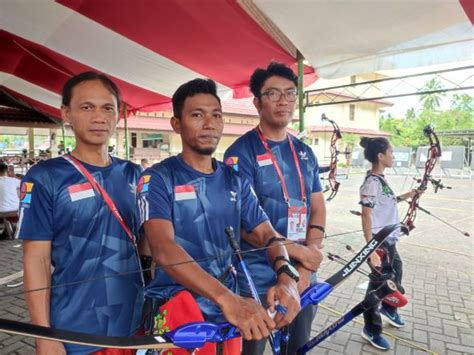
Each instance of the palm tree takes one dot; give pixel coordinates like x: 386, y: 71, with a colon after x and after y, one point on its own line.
x: 431, y: 100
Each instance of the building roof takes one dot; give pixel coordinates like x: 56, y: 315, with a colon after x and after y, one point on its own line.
x: 240, y: 107
x: 338, y: 94
x: 163, y: 125
x: 350, y: 130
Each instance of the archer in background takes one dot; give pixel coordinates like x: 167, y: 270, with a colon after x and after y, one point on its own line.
x: 379, y: 208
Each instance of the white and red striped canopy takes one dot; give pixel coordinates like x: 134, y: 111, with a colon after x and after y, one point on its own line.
x: 342, y: 38
x: 150, y: 47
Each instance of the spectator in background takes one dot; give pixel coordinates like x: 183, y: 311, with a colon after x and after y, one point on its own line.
x: 144, y: 164
x: 9, y: 190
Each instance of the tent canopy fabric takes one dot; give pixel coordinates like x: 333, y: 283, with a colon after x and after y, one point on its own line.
x: 148, y: 47
x: 343, y: 38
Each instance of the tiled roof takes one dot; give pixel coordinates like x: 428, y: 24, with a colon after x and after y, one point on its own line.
x: 360, y: 131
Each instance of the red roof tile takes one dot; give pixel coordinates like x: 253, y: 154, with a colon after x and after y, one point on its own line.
x: 360, y: 131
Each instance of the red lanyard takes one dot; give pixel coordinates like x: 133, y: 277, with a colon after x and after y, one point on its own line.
x: 101, y: 191
x: 286, y: 196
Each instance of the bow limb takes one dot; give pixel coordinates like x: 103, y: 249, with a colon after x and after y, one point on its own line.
x: 434, y: 153
x: 336, y: 135
x: 371, y: 300
x: 189, y: 336
x: 318, y: 292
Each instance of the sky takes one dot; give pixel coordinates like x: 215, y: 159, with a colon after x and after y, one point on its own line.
x: 401, y: 105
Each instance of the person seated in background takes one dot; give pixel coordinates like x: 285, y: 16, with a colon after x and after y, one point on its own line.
x: 144, y: 164
x: 9, y: 190
x: 9, y: 201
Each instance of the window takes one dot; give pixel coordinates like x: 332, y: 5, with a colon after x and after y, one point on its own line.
x: 352, y: 109
x: 316, y: 141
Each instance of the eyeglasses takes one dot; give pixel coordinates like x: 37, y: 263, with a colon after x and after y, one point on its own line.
x: 274, y: 95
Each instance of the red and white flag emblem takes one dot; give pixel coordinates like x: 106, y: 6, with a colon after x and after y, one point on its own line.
x: 184, y: 192
x: 80, y: 191
x: 264, y: 159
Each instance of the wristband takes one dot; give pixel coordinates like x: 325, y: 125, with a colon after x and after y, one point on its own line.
x: 315, y: 226
x: 278, y: 258
x: 273, y: 240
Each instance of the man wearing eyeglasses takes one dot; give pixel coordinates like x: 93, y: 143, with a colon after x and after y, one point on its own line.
x: 284, y: 174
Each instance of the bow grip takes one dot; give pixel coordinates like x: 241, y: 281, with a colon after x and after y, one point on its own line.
x: 197, y: 334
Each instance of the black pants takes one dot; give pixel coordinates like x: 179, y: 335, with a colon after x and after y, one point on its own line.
x: 300, y: 331
x: 392, y: 264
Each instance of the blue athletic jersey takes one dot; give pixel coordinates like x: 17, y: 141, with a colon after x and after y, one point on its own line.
x: 59, y: 205
x: 200, y: 207
x: 248, y: 156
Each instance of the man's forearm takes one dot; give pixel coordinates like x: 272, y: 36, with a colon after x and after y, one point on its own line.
x: 37, y: 275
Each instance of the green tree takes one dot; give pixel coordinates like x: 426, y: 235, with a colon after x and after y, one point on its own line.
x: 410, y: 114
x: 431, y: 101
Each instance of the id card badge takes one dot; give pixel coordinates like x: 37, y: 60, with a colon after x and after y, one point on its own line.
x: 297, y: 223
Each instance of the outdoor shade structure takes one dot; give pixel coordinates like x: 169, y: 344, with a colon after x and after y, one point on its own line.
x: 150, y: 47
x: 342, y: 38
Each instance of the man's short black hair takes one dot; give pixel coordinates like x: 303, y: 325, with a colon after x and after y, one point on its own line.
x: 87, y: 76
x: 259, y: 76
x: 191, y: 88
x: 3, y: 168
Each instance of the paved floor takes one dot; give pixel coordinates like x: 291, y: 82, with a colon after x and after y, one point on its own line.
x: 438, y: 267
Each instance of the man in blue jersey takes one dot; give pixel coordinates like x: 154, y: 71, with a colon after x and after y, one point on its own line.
x: 67, y: 225
x: 187, y: 201
x: 284, y: 174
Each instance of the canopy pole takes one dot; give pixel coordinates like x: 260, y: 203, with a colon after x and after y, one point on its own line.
x: 299, y: 57
x: 125, y: 125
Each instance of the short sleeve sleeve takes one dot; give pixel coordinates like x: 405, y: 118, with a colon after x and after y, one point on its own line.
x: 36, y: 210
x: 153, y: 197
x: 252, y: 213
x: 369, y: 192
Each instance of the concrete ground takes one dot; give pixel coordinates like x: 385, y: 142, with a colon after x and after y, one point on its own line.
x: 438, y: 277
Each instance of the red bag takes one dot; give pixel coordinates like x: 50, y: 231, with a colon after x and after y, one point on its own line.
x: 181, y: 309
x: 395, y: 299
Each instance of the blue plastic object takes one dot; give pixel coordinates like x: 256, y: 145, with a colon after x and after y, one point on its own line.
x: 195, y: 335
x: 315, y: 294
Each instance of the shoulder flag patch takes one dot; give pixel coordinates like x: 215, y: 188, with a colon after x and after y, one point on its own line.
x: 184, y: 192
x: 233, y: 163
x: 143, y: 183
x: 25, y: 192
x: 264, y: 159
x: 80, y: 191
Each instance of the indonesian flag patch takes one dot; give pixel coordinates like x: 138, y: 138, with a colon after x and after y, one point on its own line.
x: 80, y: 191
x: 264, y: 159
x: 184, y: 192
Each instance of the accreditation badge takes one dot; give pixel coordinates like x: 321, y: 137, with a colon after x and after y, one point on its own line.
x: 296, y: 223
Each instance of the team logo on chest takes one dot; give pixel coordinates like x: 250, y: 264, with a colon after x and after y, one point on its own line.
x: 233, y: 196
x: 303, y: 155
